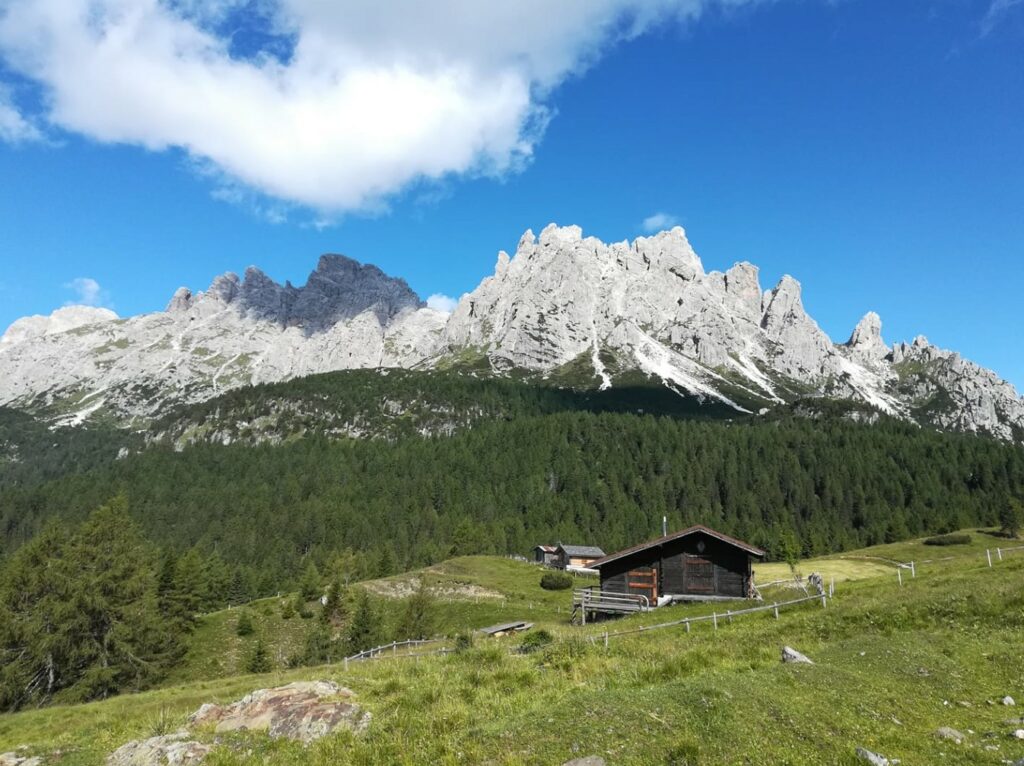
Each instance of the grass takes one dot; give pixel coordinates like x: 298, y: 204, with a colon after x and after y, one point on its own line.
x: 892, y: 665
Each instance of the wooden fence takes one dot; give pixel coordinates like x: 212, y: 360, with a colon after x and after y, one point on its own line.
x: 714, y: 617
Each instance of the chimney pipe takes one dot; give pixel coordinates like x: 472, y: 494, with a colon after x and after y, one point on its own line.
x: 664, y: 526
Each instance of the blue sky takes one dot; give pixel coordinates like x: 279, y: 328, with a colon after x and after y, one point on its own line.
x: 873, y: 150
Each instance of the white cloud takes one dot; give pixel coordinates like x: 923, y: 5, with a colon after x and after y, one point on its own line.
x: 87, y: 292
x: 346, y: 103
x: 997, y: 11
x: 441, y: 302
x: 14, y: 127
x: 659, y: 222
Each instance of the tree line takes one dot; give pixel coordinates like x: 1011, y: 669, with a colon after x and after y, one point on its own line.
x: 245, y: 520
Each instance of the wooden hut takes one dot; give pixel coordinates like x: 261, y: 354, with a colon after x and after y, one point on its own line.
x: 545, y: 554
x: 576, y: 556
x: 696, y: 564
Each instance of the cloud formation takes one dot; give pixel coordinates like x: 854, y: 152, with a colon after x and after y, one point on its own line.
x: 330, y: 105
x: 14, y: 127
x: 441, y: 302
x: 997, y: 11
x: 658, y: 222
x: 87, y: 292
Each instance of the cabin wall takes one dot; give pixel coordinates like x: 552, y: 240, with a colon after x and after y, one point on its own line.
x: 696, y: 565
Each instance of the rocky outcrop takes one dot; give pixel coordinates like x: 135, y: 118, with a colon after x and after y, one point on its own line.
x: 563, y: 305
x: 303, y: 711
x: 175, y: 749
x: 791, y: 655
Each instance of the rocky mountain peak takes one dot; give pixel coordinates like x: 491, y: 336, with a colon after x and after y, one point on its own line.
x: 60, y: 321
x: 866, y: 340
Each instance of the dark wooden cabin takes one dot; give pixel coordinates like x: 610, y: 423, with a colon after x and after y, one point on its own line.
x: 545, y: 554
x: 695, y: 564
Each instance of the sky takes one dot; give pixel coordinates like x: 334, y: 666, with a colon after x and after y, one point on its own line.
x: 872, y: 149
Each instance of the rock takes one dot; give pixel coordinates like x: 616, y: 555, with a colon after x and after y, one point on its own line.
x: 303, y: 711
x: 1008, y: 701
x: 873, y: 758
x: 590, y: 760
x: 951, y: 734
x: 1018, y: 734
x: 168, y: 750
x: 792, y: 655
x: 18, y: 758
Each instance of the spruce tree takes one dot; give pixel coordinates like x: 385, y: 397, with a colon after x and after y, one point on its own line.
x: 309, y: 586
x: 243, y: 626
x: 364, y: 630
x: 259, y: 659
x: 417, y: 620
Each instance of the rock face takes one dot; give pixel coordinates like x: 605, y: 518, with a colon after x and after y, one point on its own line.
x: 239, y: 331
x: 563, y: 305
x: 303, y: 711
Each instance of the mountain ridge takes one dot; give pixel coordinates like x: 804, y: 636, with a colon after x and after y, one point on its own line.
x: 562, y: 301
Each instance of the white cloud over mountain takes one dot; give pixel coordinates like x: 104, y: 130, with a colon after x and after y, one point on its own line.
x: 331, y: 105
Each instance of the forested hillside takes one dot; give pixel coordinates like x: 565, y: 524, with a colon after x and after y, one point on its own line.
x: 505, y: 485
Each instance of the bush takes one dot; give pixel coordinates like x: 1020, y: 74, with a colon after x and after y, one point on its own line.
x: 555, y: 581
x: 463, y: 642
x: 534, y: 640
x: 259, y: 660
x: 244, y: 625
x: 948, y: 540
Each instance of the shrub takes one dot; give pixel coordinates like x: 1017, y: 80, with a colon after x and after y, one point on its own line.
x: 463, y: 641
x: 534, y: 640
x: 244, y: 625
x: 948, y: 540
x: 555, y: 581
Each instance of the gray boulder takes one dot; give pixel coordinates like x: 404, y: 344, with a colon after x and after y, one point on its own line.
x: 789, y: 654
x: 168, y: 750
x: 951, y: 734
x: 303, y: 711
x: 873, y: 758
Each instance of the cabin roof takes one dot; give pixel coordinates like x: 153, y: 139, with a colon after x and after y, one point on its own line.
x: 545, y: 548
x: 582, y: 551
x: 675, y: 536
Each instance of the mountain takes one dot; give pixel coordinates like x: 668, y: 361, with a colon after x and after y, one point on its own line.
x: 568, y: 309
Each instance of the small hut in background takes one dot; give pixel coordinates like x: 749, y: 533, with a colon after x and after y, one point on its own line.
x: 544, y: 554
x: 576, y: 556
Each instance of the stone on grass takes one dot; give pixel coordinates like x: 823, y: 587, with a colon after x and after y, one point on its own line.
x: 18, y: 758
x: 168, y: 750
x: 789, y: 654
x: 873, y: 758
x: 1008, y: 701
x: 590, y: 760
x: 1019, y: 734
x: 949, y: 733
x: 302, y: 711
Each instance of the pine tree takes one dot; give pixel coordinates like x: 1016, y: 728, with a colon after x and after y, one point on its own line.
x: 364, y: 630
x: 417, y: 620
x: 1011, y: 517
x: 243, y: 626
x: 334, y: 607
x: 259, y: 659
x: 309, y: 586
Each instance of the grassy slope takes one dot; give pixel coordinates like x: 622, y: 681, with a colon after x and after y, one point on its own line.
x: 893, y: 665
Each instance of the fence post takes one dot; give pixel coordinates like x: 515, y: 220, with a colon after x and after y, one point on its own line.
x: 999, y: 553
x: 728, y: 613
x: 988, y: 554
x: 899, y: 575
x: 913, y: 570
x: 714, y: 619
x: 346, y: 664
x: 832, y: 587
x: 776, y: 607
x: 687, y: 624
x: 824, y: 601
x: 606, y: 640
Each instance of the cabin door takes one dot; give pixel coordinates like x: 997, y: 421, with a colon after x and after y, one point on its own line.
x: 644, y: 582
x: 700, y: 575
